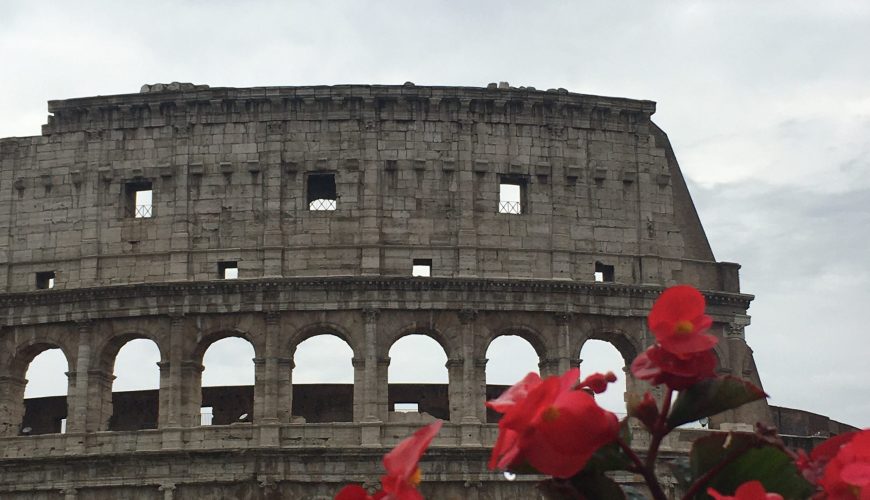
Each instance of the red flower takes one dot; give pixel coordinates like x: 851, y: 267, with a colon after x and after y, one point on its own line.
x: 678, y: 321
x: 658, y: 366
x: 403, y: 474
x: 753, y: 490
x: 847, y: 474
x: 550, y: 425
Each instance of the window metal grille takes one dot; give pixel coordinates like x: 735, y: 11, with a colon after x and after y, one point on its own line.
x: 143, y: 211
x: 509, y: 207
x: 322, y: 204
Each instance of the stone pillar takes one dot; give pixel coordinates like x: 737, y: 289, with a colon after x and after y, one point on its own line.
x: 172, y: 402
x: 284, y: 373
x: 359, y: 385
x: 548, y: 367
x: 11, y: 405
x: 471, y: 398
x: 372, y: 391
x: 163, y: 396
x: 260, y: 390
x: 371, y: 422
x: 455, y: 389
x: 563, y: 346
x: 191, y: 402
x: 479, y: 380
x: 69, y: 493
x: 77, y: 400
x: 100, y: 405
x: 269, y: 385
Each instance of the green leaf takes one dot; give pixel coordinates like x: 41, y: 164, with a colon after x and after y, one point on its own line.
x: 710, y: 397
x: 608, y: 457
x: 755, y: 459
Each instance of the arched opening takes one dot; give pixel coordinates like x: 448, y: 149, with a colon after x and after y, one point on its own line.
x: 136, y: 387
x: 323, y: 376
x: 418, y: 378
x: 227, y: 382
x: 601, y: 356
x: 45, y: 392
x: 509, y: 359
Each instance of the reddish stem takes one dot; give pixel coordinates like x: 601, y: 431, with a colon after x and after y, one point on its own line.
x: 659, y: 431
x: 649, y: 476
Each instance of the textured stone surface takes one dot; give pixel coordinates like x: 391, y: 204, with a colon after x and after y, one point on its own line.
x: 417, y: 173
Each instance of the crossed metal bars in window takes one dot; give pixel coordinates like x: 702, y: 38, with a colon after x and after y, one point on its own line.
x: 322, y: 204
x: 143, y: 211
x: 509, y: 207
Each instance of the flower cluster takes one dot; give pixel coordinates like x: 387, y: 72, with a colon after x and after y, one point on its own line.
x: 553, y: 426
x: 683, y: 354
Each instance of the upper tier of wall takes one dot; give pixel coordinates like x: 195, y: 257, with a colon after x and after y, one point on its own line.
x: 417, y: 173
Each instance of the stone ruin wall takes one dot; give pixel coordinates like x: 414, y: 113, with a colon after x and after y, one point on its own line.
x: 417, y: 173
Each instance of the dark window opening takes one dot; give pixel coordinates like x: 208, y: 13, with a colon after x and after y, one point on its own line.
x: 321, y: 192
x: 421, y: 267
x: 603, y: 273
x: 511, y: 195
x: 45, y: 280
x: 139, y: 200
x: 228, y: 270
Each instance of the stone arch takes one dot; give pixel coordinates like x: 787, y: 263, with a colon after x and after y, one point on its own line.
x: 134, y: 412
x: 414, y: 329
x: 320, y: 401
x: 207, y: 339
x: 436, y: 399
x: 618, y: 338
x: 531, y: 335
x: 12, y: 408
x: 322, y: 328
x: 229, y: 404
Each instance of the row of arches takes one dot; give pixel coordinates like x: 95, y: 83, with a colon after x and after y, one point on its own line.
x: 417, y: 378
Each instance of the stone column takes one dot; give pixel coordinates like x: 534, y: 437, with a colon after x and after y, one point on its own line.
x: 11, y: 405
x: 455, y: 389
x: 471, y: 398
x: 191, y: 375
x: 163, y: 396
x: 359, y: 385
x: 479, y: 380
x: 371, y: 423
x: 270, y: 383
x: 563, y: 346
x: 100, y: 405
x: 284, y: 369
x: 171, y: 413
x: 260, y: 390
x: 77, y: 400
x: 69, y: 493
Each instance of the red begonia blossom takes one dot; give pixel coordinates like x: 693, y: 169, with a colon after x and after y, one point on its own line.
x: 550, y: 425
x: 812, y: 465
x: 753, y: 490
x: 403, y: 473
x: 847, y: 474
x: 658, y: 366
x: 678, y: 321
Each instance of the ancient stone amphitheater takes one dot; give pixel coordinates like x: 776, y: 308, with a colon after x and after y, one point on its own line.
x: 554, y: 216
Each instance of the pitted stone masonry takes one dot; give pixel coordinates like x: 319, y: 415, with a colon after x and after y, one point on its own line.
x: 125, y: 217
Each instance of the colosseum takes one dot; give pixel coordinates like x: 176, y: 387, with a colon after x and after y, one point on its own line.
x: 186, y: 214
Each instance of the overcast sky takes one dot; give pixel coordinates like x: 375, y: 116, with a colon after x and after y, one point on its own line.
x: 767, y: 105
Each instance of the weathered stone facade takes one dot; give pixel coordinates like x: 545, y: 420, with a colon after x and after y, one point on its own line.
x: 414, y: 174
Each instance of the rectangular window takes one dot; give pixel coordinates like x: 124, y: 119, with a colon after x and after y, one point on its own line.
x: 228, y: 270
x: 321, y: 193
x: 603, y: 273
x: 63, y: 426
x: 206, y: 415
x: 406, y: 407
x: 421, y: 267
x: 45, y: 280
x: 511, y: 195
x: 138, y: 199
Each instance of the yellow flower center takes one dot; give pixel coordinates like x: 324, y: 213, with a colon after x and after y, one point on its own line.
x: 683, y: 326
x: 550, y: 414
x: 416, y: 477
